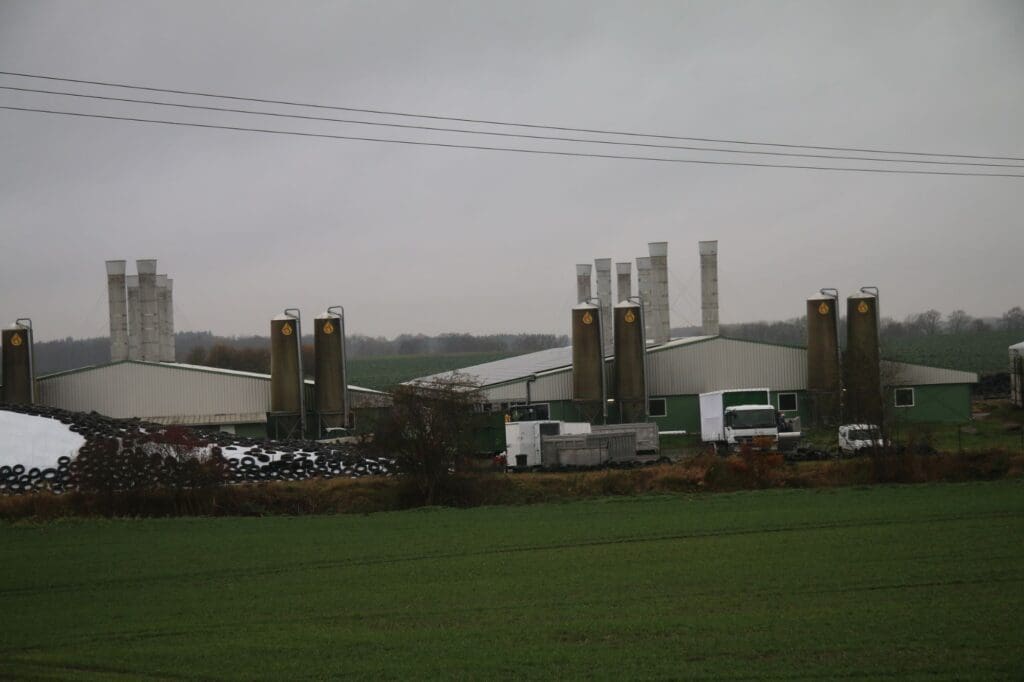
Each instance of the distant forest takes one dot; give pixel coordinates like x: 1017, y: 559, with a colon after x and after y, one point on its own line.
x: 956, y: 340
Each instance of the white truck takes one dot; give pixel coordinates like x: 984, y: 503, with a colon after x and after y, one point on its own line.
x: 729, y: 419
x: 855, y: 439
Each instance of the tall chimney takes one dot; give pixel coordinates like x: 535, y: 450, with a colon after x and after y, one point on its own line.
x: 643, y: 285
x: 163, y: 302
x: 583, y: 290
x: 660, y: 323
x: 118, y: 302
x: 168, y: 318
x: 603, y: 267
x: 623, y: 284
x: 150, y: 310
x: 709, y: 288
x: 134, y: 318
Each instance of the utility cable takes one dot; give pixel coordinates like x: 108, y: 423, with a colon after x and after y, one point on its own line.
x: 385, y: 112
x: 501, y: 134
x: 519, y: 150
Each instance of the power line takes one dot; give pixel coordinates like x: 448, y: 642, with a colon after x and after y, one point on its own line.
x: 500, y: 134
x: 520, y: 150
x: 385, y: 112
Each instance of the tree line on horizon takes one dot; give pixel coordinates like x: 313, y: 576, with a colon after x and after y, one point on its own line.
x: 252, y: 353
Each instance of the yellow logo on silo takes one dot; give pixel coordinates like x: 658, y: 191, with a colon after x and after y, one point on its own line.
x: 328, y: 327
x: 862, y: 308
x: 286, y: 329
x: 16, y: 340
x: 630, y: 317
x: 823, y: 309
x: 588, y: 318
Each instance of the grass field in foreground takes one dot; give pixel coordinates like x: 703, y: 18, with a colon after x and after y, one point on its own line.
x: 882, y: 582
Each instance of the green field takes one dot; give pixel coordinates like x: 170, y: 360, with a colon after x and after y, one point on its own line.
x: 982, y: 352
x: 386, y: 371
x: 908, y: 582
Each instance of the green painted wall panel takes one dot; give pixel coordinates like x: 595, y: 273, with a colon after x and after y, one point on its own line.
x: 950, y: 403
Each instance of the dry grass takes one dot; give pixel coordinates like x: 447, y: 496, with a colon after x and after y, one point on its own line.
x: 371, y: 494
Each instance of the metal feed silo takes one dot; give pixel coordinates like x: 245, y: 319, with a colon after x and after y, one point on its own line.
x: 588, y: 388
x: 863, y: 402
x: 18, y: 371
x: 287, y: 409
x: 824, y: 374
x: 331, y: 388
x: 630, y: 384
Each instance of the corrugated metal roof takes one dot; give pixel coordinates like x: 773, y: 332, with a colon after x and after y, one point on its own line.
x: 170, y: 392
x: 906, y: 374
x: 694, y: 365
x: 550, y: 360
x: 1018, y: 346
x: 195, y: 368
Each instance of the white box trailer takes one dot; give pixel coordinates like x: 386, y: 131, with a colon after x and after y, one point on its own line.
x: 523, y: 440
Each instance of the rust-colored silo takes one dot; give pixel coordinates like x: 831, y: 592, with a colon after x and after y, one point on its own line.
x: 630, y: 385
x: 824, y: 375
x: 588, y: 388
x: 18, y: 371
x: 863, y: 404
x: 331, y: 375
x: 287, y: 404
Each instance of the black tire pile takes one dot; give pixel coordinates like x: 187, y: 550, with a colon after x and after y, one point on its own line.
x: 246, y: 460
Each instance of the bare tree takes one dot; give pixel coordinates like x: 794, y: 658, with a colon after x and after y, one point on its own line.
x: 958, y: 321
x: 930, y: 321
x: 1013, y: 319
x: 430, y: 430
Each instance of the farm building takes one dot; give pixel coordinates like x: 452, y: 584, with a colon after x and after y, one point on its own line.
x: 681, y: 369
x: 175, y: 393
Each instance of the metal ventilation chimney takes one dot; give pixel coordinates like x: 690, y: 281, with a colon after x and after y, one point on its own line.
x: 19, y: 386
x: 583, y: 291
x: 165, y: 325
x: 603, y: 267
x: 709, y: 288
x: 117, y: 298
x: 659, y: 291
x: 623, y: 283
x: 134, y: 318
x: 643, y: 285
x: 168, y: 319
x: 149, y: 307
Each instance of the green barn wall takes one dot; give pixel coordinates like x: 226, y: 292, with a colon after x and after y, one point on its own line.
x: 949, y: 403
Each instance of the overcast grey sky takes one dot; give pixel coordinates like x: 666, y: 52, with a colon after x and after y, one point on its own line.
x: 419, y: 239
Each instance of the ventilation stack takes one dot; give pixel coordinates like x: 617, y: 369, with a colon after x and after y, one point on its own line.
x: 623, y: 283
x: 150, y: 309
x: 118, y: 303
x: 709, y: 288
x: 134, y: 318
x: 18, y: 370
x: 588, y: 387
x: 603, y: 269
x: 584, y: 292
x: 863, y: 360
x: 165, y: 318
x: 331, y: 371
x: 286, y: 418
x: 630, y: 385
x: 643, y: 286
x: 660, y: 324
x: 823, y: 368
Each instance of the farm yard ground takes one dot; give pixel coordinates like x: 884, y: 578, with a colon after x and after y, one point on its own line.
x: 876, y: 582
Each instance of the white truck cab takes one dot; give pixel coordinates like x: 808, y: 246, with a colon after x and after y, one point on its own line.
x: 854, y: 438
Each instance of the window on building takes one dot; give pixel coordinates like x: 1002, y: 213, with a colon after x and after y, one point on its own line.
x: 787, y: 402
x: 521, y: 412
x: 904, y: 397
x: 656, y: 407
